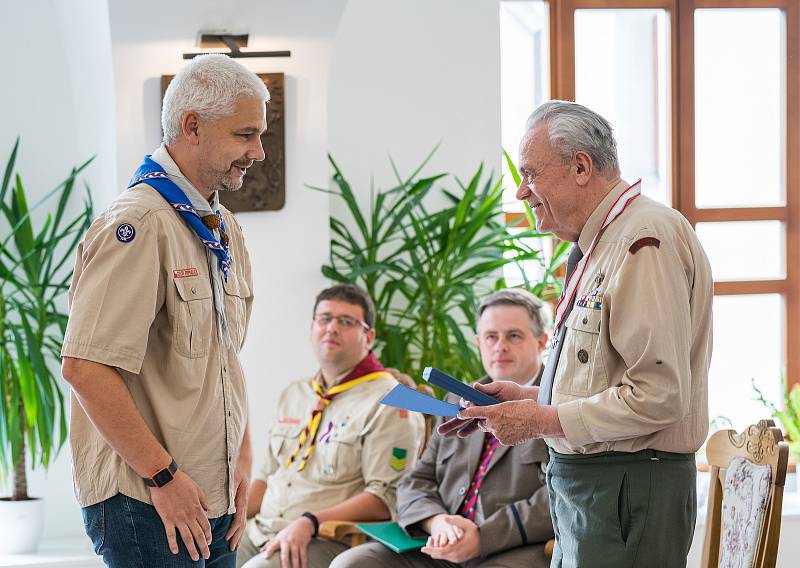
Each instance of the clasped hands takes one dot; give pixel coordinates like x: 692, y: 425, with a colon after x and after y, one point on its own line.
x: 516, y: 419
x: 453, y: 538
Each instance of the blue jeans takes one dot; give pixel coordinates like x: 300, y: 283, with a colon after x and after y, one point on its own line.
x: 129, y: 534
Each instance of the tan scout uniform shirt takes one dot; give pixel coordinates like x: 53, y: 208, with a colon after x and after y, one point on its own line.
x: 355, y: 443
x: 633, y: 374
x: 145, y: 307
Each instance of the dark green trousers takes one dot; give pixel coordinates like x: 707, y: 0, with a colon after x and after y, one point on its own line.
x: 622, y: 510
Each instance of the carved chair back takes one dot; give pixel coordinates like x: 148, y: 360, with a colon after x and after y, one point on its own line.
x: 760, y: 444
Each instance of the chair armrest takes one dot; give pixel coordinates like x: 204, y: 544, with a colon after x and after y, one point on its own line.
x: 340, y: 530
x: 548, y: 548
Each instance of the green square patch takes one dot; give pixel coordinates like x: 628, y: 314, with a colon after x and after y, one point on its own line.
x: 399, y: 459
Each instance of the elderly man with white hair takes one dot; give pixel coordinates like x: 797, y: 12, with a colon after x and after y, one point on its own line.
x: 159, y: 307
x: 623, y: 400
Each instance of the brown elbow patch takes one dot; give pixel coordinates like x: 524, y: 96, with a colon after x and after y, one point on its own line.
x: 644, y: 242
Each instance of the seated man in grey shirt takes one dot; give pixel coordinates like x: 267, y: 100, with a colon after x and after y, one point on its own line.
x: 481, y: 503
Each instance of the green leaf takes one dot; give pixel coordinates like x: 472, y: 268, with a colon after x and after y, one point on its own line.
x: 9, y: 170
x: 26, y: 378
x: 512, y: 168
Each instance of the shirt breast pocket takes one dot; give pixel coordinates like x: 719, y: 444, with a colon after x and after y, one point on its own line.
x: 236, y: 293
x: 581, y: 368
x: 341, y: 455
x: 447, y: 449
x: 192, y: 317
x: 283, y: 440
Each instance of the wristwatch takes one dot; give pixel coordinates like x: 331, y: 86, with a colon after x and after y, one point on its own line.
x: 163, y: 476
x: 314, y: 521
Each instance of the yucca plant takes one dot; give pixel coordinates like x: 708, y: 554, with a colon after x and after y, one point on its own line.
x: 35, y: 272
x: 427, y: 268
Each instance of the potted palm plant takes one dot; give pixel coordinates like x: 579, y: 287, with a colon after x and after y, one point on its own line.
x: 427, y: 267
x: 35, y: 272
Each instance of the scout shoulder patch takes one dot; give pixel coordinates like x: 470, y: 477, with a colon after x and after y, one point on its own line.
x: 399, y: 459
x: 125, y: 233
x: 644, y: 242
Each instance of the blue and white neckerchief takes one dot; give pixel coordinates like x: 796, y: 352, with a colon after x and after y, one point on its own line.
x: 151, y: 173
x: 193, y: 207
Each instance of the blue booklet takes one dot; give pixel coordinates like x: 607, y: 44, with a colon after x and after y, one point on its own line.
x: 407, y: 398
x: 451, y: 384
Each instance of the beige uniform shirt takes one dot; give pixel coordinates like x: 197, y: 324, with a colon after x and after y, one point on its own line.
x: 144, y: 306
x: 633, y: 372
x: 362, y: 445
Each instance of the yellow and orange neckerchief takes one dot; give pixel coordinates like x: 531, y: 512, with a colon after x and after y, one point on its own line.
x: 324, y: 397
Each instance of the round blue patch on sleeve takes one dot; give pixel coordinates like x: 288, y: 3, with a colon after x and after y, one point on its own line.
x: 125, y: 233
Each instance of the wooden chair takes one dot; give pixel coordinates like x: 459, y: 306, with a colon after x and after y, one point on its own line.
x: 760, y: 444
x: 344, y: 531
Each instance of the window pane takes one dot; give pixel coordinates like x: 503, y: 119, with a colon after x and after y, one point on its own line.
x: 748, y: 339
x: 744, y: 250
x: 739, y: 107
x: 622, y: 72
x: 524, y: 75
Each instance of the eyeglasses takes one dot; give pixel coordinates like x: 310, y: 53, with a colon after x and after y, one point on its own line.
x: 345, y: 322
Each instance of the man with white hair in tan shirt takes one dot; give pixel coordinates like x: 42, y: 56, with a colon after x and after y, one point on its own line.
x: 623, y: 402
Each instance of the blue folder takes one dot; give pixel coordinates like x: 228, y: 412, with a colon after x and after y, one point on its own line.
x: 407, y: 398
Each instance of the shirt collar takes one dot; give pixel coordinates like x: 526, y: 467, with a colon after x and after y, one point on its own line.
x: 163, y: 158
x: 535, y: 380
x: 595, y: 220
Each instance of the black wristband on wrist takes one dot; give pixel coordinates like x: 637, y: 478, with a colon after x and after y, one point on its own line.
x: 314, y: 521
x: 163, y: 476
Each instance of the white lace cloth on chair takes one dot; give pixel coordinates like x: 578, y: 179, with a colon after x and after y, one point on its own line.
x: 743, y: 504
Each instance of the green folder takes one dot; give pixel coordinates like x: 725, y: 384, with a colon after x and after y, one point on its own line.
x: 391, y: 535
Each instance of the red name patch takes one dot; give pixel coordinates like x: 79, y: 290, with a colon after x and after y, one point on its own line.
x: 288, y: 421
x: 184, y: 272
x: 644, y: 242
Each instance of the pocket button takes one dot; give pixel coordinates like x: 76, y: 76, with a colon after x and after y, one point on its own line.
x: 583, y: 356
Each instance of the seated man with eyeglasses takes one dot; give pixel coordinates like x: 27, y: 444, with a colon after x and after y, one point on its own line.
x: 335, y: 453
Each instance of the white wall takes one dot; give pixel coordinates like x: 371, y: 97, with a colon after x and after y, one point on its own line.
x: 57, y: 92
x: 57, y: 95
x: 407, y: 75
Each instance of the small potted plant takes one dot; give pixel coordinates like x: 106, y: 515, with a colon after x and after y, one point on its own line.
x: 35, y: 272
x: 789, y: 419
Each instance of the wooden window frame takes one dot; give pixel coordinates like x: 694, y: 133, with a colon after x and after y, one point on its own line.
x: 681, y: 120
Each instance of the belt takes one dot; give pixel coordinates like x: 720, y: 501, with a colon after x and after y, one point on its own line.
x: 619, y: 457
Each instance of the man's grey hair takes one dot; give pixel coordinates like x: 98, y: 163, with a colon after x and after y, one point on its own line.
x: 572, y: 127
x: 208, y: 85
x: 537, y: 311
